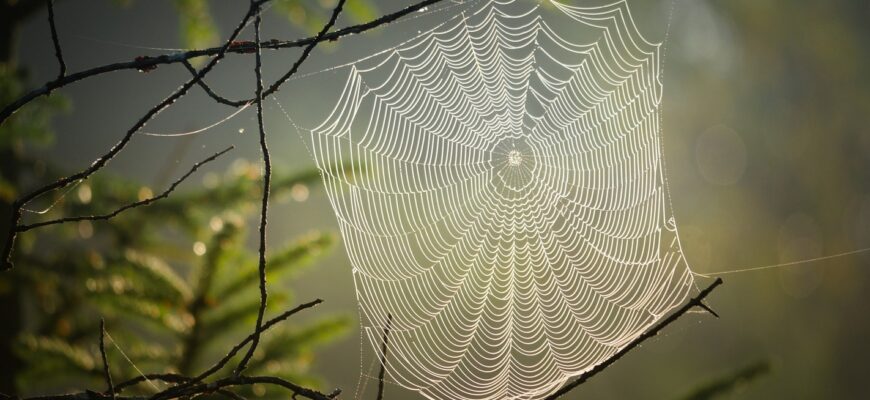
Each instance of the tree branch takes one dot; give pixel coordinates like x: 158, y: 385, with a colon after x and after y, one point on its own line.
x: 696, y: 301
x: 267, y: 163
x: 149, y: 63
x: 145, y: 202
x: 264, y: 206
x: 192, y: 387
x: 55, y: 40
x: 110, y: 387
x: 208, y: 90
x: 99, y: 163
x: 170, y: 393
x: 384, y: 346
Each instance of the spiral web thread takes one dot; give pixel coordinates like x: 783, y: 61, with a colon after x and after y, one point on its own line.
x: 507, y: 208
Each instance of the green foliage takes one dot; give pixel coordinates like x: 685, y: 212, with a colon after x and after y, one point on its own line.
x: 176, y: 290
x: 175, y: 281
x: 198, y: 29
x: 31, y: 124
x: 56, y: 355
x: 169, y: 308
x: 311, y: 15
x: 197, y: 25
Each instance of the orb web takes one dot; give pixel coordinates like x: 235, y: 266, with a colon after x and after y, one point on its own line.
x: 507, y: 205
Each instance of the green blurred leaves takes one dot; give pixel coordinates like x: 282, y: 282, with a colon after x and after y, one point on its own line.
x: 311, y: 15
x: 31, y: 124
x: 730, y: 382
x: 198, y: 29
x: 175, y: 280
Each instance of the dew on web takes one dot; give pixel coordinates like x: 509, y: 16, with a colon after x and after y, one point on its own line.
x: 506, y: 204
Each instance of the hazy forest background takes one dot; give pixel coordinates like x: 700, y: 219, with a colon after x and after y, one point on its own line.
x: 768, y: 159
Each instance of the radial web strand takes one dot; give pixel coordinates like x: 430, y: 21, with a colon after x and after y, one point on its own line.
x: 506, y: 206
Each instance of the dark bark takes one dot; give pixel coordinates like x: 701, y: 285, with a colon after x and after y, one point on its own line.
x: 12, y: 15
x: 10, y: 296
x: 10, y: 302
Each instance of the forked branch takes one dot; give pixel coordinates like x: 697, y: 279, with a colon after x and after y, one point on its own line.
x: 99, y: 163
x: 189, y: 387
x: 140, y: 203
x: 267, y: 163
x: 149, y: 63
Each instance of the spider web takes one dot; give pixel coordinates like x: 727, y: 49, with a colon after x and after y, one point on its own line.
x: 507, y: 208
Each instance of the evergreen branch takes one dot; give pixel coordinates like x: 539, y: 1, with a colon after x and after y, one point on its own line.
x: 145, y: 202
x: 223, y: 320
x: 188, y: 387
x: 155, y: 313
x: 149, y: 63
x: 193, y: 340
x: 295, y: 342
x: 302, y: 252
x: 218, y: 386
x: 155, y: 276
x: 235, y: 350
x: 696, y: 301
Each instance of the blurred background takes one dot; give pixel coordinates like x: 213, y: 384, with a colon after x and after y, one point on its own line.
x: 767, y: 152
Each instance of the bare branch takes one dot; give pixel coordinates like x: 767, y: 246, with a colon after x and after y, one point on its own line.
x: 54, y: 38
x: 218, y: 386
x: 235, y: 350
x: 267, y: 163
x: 190, y: 387
x: 242, y: 380
x: 208, y: 90
x: 99, y: 163
x: 274, y: 87
x: 145, y: 202
x: 148, y: 63
x: 696, y: 301
x: 168, y: 378
x: 384, y: 347
x: 264, y: 206
x: 110, y: 387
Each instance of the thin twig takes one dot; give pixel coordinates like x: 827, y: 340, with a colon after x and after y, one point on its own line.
x: 56, y: 40
x: 208, y: 90
x: 148, y: 63
x: 168, y: 378
x: 99, y: 163
x: 144, y: 202
x: 218, y: 386
x: 242, y: 380
x: 696, y: 301
x: 264, y: 206
x: 384, y: 347
x: 267, y: 163
x: 188, y: 387
x: 235, y: 350
x: 274, y: 87
x: 110, y: 387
